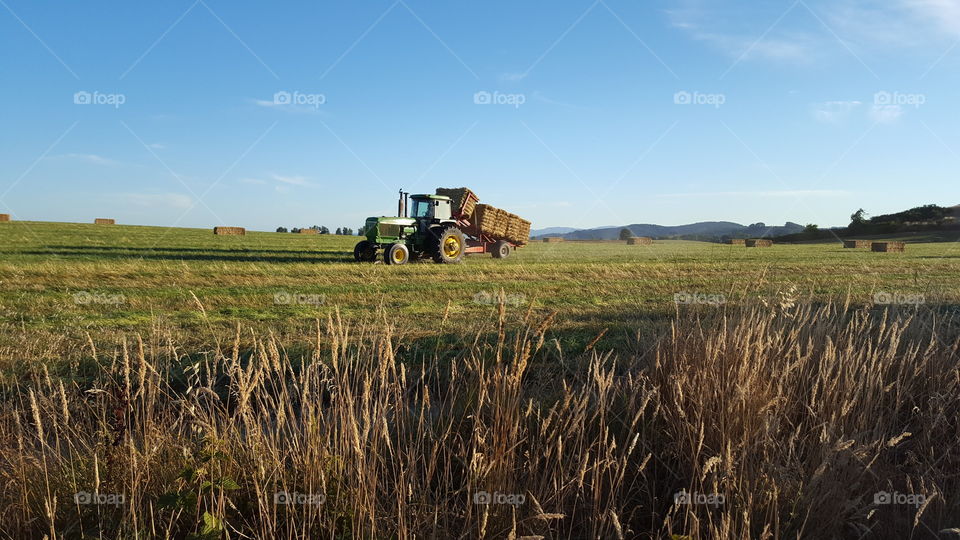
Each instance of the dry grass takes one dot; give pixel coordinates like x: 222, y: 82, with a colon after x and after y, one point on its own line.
x: 229, y: 231
x: 796, y: 414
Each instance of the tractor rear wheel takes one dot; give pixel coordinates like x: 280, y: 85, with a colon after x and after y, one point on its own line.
x: 364, y: 251
x: 448, y: 248
x: 396, y: 254
x: 501, y: 250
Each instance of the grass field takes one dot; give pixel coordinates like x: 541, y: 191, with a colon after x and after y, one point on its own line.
x: 73, y: 277
x: 586, y: 384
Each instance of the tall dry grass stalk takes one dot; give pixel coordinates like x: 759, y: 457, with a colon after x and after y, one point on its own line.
x: 789, y: 420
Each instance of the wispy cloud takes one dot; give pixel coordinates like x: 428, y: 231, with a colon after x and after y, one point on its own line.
x: 834, y: 112
x: 760, y: 194
x: 512, y: 77
x: 89, y: 158
x: 886, y: 114
x: 294, y: 180
x: 166, y: 200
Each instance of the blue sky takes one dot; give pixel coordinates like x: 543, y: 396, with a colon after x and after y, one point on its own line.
x: 579, y: 113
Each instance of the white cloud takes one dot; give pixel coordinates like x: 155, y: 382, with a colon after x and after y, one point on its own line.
x: 886, y: 114
x: 294, y: 180
x: 169, y: 200
x: 513, y: 77
x: 834, y: 112
x: 89, y: 158
x: 761, y: 194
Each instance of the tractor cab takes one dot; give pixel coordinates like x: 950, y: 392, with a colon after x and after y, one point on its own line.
x: 430, y: 207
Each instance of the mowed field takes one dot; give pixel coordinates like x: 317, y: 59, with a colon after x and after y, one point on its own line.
x: 71, y: 279
x: 169, y: 383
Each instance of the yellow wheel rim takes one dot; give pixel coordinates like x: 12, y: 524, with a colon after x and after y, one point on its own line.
x: 451, y: 246
x: 398, y: 255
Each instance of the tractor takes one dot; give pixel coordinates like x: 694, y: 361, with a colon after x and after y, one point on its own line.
x: 433, y: 228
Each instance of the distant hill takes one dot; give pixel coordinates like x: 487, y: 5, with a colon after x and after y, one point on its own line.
x: 707, y: 230
x: 552, y: 231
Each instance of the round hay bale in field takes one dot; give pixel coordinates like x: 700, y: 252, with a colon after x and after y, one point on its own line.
x: 4, y: 217
x: 552, y: 239
x: 639, y: 241
x: 759, y: 242
x: 229, y: 231
x: 889, y: 247
x: 104, y: 221
x: 856, y: 244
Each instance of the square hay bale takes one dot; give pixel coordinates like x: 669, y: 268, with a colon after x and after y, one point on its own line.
x: 759, y: 242
x: 639, y: 241
x: 464, y: 201
x: 737, y: 241
x: 856, y: 244
x: 553, y: 239
x: 229, y: 231
x: 490, y: 221
x: 307, y: 231
x: 4, y: 217
x: 105, y: 221
x: 889, y: 247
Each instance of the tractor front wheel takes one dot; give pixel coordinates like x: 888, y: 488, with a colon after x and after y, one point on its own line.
x: 396, y: 254
x: 449, y: 246
x: 501, y: 250
x: 364, y: 251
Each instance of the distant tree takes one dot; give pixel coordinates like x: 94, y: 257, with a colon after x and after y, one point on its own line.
x: 295, y: 230
x: 858, y: 218
x: 281, y: 229
x: 339, y: 231
x: 347, y: 231
x: 811, y: 228
x: 625, y: 233
x: 324, y: 230
x: 361, y: 231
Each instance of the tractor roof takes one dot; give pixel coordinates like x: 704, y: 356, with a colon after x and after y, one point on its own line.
x: 430, y: 196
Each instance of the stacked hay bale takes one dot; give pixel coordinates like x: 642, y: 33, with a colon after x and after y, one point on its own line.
x: 737, y: 241
x: 229, y: 231
x: 104, y: 221
x: 553, y: 239
x: 462, y: 199
x: 759, y: 242
x: 856, y: 244
x: 639, y: 241
x: 4, y: 217
x: 518, y: 229
x: 889, y: 247
x: 307, y: 231
x: 490, y: 220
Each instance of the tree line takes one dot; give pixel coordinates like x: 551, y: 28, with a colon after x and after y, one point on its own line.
x: 343, y: 231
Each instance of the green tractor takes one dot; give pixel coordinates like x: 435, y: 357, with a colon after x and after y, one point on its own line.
x: 434, y: 229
